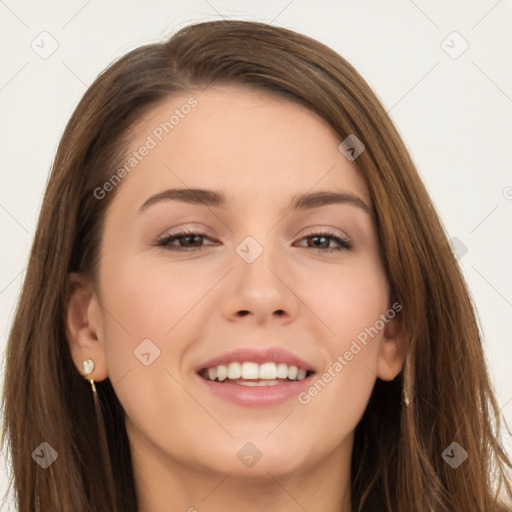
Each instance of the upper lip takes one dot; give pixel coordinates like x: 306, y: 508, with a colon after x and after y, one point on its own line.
x: 257, y: 355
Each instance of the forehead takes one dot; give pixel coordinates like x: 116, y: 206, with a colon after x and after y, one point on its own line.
x: 248, y: 143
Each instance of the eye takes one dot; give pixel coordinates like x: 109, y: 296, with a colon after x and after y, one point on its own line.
x: 190, y: 240
x: 321, y: 238
x: 188, y: 236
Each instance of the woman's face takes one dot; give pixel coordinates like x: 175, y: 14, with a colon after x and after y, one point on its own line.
x: 259, y: 276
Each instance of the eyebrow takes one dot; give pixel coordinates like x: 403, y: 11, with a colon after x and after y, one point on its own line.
x: 212, y: 198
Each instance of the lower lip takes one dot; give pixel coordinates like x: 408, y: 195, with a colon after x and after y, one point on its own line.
x: 257, y: 396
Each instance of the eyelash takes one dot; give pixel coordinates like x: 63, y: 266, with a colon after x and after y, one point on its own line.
x: 346, y: 245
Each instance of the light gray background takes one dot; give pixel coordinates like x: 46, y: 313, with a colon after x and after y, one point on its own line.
x: 453, y: 111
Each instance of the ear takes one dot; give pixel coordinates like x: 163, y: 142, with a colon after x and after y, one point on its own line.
x: 393, y: 349
x: 84, y: 326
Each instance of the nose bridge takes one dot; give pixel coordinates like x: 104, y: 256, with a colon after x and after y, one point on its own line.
x: 259, y: 286
x: 259, y: 261
x: 260, y: 242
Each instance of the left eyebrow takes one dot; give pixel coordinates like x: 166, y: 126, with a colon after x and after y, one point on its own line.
x: 317, y: 199
x: 213, y: 198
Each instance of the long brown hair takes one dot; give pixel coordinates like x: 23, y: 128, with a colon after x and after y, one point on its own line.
x: 397, y: 461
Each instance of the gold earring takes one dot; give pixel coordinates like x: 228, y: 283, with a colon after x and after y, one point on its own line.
x: 88, y: 366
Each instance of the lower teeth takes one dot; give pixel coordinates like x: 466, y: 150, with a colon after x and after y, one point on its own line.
x: 243, y: 382
x: 253, y: 382
x: 260, y: 383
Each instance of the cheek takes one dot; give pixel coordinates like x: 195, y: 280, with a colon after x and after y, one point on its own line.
x: 351, y: 302
x: 152, y: 300
x: 147, y: 329
x: 348, y: 298
x: 151, y: 315
x: 336, y: 400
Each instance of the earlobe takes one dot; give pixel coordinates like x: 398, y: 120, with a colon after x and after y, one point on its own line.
x: 83, y: 327
x: 393, y: 349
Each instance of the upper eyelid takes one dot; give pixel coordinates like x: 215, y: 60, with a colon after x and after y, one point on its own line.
x: 328, y: 232
x: 199, y: 232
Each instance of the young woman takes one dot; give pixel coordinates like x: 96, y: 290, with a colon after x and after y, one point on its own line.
x: 240, y: 297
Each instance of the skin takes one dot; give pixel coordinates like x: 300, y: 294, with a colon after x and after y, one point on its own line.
x: 259, y: 150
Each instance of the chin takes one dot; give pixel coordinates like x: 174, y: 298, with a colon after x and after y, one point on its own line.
x: 259, y: 457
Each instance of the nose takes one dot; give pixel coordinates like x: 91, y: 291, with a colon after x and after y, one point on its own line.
x: 261, y: 291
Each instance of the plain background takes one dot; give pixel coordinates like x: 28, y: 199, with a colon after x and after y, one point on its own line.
x: 451, y: 104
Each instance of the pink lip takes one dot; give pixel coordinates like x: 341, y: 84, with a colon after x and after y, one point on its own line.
x: 257, y: 396
x: 267, y: 355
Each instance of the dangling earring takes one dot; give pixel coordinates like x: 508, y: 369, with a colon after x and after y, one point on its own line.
x: 407, y: 380
x: 88, y: 366
x: 406, y: 387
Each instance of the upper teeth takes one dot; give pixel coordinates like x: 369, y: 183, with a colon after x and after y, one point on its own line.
x: 250, y: 370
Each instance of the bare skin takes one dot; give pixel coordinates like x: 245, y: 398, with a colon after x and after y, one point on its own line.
x: 259, y: 151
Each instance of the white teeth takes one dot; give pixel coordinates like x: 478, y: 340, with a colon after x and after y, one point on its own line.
x: 292, y: 372
x: 250, y: 371
x: 222, y: 372
x: 282, y: 371
x: 268, y: 371
x: 260, y: 383
x: 212, y: 373
x: 301, y: 374
x: 256, y: 374
x: 234, y: 371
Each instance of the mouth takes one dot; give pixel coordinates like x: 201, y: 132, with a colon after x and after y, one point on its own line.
x: 252, y: 374
x: 256, y: 376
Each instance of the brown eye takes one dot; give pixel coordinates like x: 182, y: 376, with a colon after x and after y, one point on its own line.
x: 188, y: 241
x: 321, y: 241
